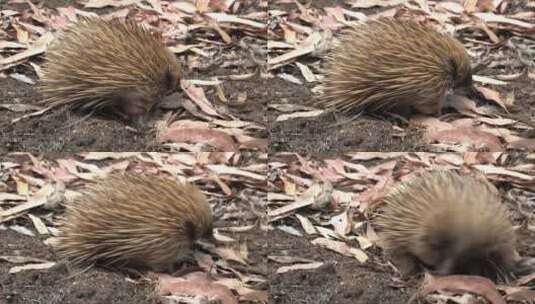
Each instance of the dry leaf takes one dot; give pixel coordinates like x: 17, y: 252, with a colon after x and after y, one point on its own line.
x: 195, y: 284
x: 294, y: 267
x: 40, y: 266
x: 341, y: 248
x: 493, y: 96
x: 197, y: 95
x: 306, y: 224
x: 224, y: 169
x: 220, y: 140
x: 471, y: 137
x: 524, y: 295
x: 463, y: 283
x: 490, y: 169
x: 284, y: 117
x: 222, y: 17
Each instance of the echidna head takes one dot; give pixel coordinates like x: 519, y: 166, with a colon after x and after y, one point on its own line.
x: 481, y: 261
x: 196, y: 232
x: 135, y: 104
x: 466, y: 255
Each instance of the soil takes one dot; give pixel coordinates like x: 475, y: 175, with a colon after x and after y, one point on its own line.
x: 331, y: 134
x: 96, y: 285
x: 343, y: 280
x: 63, y: 130
x: 55, y: 285
x: 340, y: 280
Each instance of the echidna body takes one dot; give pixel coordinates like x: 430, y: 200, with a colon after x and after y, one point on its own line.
x: 449, y: 223
x: 389, y: 64
x: 134, y: 221
x: 97, y: 64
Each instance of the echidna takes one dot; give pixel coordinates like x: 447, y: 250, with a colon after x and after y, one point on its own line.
x: 97, y: 64
x: 448, y: 223
x: 388, y: 64
x: 138, y: 221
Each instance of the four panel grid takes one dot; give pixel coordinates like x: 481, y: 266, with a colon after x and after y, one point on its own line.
x: 267, y: 151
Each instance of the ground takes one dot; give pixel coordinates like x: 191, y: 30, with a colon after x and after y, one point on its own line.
x: 97, y: 285
x: 67, y: 131
x: 341, y: 280
x: 54, y: 286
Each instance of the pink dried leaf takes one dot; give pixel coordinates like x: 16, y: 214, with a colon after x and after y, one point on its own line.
x: 477, y: 139
x: 462, y: 283
x: 195, y: 284
x: 259, y: 144
x: 432, y: 124
x: 196, y: 94
x: 492, y: 95
x: 221, y: 5
x: 462, y: 104
x: 220, y: 140
x: 524, y: 295
x: 526, y: 144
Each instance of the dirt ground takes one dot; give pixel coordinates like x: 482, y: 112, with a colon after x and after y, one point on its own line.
x: 94, y: 286
x: 341, y: 280
x: 330, y: 134
x: 53, y: 286
x: 61, y: 130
